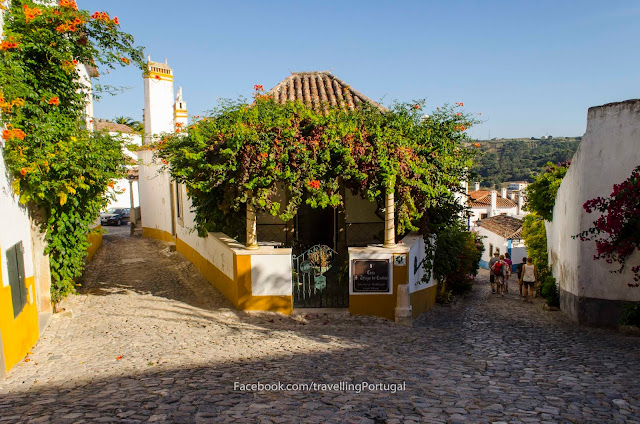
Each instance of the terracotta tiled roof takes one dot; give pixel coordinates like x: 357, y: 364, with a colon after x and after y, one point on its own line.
x: 319, y: 88
x: 503, y: 225
x: 478, y: 194
x: 113, y: 127
x: 482, y: 198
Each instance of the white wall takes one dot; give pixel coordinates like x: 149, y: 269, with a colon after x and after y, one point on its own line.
x: 415, y: 243
x: 271, y: 274
x: 15, y: 225
x: 155, y: 194
x: 488, y: 238
x: 609, y: 151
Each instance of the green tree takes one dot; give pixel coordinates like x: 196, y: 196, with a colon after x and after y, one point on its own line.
x: 60, y: 170
x: 130, y: 122
x: 541, y: 194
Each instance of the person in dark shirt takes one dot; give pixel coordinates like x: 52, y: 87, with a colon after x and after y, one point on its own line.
x: 507, y: 271
x: 519, y: 272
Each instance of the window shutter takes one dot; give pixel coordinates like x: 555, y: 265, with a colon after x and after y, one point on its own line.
x: 15, y: 270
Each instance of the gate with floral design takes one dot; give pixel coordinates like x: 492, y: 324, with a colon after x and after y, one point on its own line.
x: 315, y: 279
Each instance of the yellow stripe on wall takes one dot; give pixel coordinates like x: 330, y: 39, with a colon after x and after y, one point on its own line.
x: 95, y: 241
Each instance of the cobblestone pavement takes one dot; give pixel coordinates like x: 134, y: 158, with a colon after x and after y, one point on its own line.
x: 151, y: 340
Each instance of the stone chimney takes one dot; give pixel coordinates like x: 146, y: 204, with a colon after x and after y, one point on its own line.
x: 520, y: 203
x: 476, y: 186
x: 494, y: 201
x: 503, y: 193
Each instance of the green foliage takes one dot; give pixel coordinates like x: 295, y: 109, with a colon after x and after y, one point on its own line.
x: 535, y: 238
x: 59, y: 169
x: 519, y: 160
x: 247, y: 153
x: 631, y: 314
x: 550, y: 291
x: 541, y: 194
x: 130, y: 122
x: 457, y: 258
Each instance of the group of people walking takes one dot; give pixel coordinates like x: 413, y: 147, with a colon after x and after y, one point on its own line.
x: 500, y: 268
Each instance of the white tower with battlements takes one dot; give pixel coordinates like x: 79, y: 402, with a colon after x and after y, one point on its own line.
x: 158, y: 100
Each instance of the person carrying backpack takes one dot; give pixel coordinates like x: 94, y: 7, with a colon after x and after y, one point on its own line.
x: 498, y: 272
x: 492, y: 277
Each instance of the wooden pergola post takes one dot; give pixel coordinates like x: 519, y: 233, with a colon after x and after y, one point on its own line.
x: 389, y: 220
x: 252, y: 228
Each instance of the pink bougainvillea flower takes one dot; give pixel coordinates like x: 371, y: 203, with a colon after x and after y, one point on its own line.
x: 258, y: 87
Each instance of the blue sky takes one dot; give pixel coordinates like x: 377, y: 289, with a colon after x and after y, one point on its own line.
x: 530, y: 68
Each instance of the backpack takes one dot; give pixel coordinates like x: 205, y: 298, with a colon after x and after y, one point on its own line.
x: 497, y: 268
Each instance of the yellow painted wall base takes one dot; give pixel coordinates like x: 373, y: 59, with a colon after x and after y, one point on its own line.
x: 21, y: 333
x: 154, y: 233
x: 377, y: 305
x: 282, y: 304
x: 216, y: 277
x: 95, y: 241
x: 423, y: 300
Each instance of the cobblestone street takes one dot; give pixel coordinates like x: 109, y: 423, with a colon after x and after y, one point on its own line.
x: 148, y: 339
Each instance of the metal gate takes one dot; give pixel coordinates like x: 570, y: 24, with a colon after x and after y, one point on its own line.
x: 315, y: 279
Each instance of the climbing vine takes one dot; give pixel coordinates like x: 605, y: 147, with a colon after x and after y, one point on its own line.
x: 248, y: 153
x: 60, y: 169
x: 617, y: 230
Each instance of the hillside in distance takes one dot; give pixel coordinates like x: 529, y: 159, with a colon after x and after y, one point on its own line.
x: 502, y: 160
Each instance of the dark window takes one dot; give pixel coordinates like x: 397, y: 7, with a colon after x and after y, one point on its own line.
x: 15, y: 268
x: 490, y: 250
x: 484, y: 215
x: 178, y: 201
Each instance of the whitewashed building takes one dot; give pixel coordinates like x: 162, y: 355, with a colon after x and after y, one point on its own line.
x: 502, y: 234
x: 260, y: 275
x: 487, y: 203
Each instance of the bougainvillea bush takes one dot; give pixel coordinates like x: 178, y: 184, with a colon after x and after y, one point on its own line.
x: 617, y: 231
x: 246, y: 153
x: 60, y: 170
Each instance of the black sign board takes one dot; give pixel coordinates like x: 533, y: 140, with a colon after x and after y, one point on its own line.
x: 370, y: 276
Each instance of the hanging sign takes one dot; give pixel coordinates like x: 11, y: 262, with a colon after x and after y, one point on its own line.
x: 370, y: 276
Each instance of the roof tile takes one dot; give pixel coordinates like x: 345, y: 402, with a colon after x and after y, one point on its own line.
x: 319, y: 90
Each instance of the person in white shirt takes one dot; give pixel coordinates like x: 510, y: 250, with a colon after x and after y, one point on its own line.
x: 529, y: 277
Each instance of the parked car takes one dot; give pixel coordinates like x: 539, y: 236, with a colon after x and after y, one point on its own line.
x: 114, y: 216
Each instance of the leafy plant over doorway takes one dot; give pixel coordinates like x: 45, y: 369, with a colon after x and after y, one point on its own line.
x: 245, y: 153
x: 60, y: 170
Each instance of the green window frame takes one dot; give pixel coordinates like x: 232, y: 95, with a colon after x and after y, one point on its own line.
x: 15, y: 270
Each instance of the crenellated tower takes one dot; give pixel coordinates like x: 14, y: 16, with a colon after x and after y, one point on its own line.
x: 158, y: 100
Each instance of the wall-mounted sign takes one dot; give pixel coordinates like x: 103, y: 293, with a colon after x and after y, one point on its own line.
x: 370, y: 276
x: 399, y: 260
